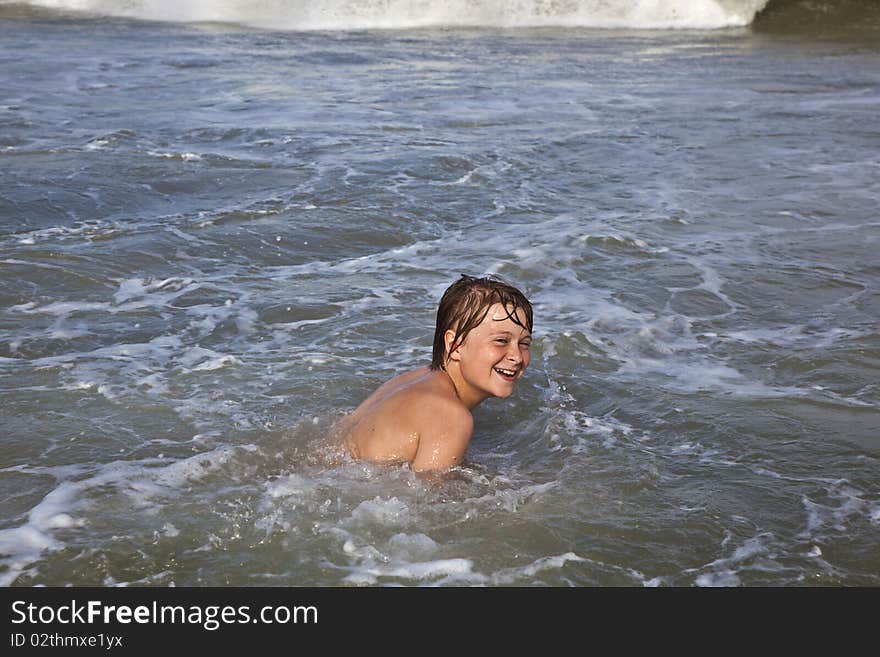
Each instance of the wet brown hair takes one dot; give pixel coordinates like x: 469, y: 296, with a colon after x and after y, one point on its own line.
x: 465, y: 305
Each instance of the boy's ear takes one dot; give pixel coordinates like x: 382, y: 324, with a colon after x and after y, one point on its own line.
x: 448, y: 338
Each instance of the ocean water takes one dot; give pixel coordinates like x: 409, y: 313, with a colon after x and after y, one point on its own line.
x: 221, y: 228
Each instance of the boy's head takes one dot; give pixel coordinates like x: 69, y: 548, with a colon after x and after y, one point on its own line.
x: 465, y: 305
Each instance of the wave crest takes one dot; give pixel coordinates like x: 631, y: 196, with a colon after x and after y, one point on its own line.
x: 393, y: 14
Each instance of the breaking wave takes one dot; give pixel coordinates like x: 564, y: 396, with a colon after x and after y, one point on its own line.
x: 392, y: 14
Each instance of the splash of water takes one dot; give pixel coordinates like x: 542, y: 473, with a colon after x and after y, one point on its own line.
x: 391, y: 14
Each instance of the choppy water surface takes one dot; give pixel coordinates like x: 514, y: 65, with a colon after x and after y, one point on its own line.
x: 215, y: 240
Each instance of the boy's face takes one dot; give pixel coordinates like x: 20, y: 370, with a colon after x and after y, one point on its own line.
x: 495, y: 354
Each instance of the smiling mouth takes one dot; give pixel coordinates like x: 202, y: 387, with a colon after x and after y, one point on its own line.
x: 508, y: 375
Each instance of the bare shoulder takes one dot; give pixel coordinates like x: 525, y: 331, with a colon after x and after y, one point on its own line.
x: 432, y: 402
x: 415, y: 417
x: 445, y: 430
x: 391, y: 389
x: 413, y: 377
x: 443, y: 409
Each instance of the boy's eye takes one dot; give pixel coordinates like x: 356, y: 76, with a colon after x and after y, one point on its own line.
x: 501, y: 340
x: 525, y: 345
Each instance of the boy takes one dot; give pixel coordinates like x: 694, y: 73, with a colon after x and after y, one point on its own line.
x: 423, y: 417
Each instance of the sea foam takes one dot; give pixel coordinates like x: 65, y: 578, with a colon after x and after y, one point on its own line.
x: 394, y: 14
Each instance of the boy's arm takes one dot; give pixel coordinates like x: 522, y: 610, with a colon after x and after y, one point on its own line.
x: 443, y: 440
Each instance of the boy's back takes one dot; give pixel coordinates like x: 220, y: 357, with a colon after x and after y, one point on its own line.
x: 415, y: 417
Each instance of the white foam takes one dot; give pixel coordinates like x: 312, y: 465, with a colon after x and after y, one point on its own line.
x: 291, y: 485
x: 216, y: 363
x: 198, y: 466
x: 139, y: 287
x: 704, y: 374
x: 66, y: 506
x: 583, y: 429
x: 718, y: 579
x: 87, y: 230
x: 185, y: 157
x: 366, y: 575
x: 796, y: 336
x: 402, y: 556
x: 23, y: 545
x: 460, y: 571
x: 362, y: 14
x: 63, y: 520
x: 620, y: 239
x: 61, y: 307
x: 387, y: 512
x: 411, y: 547
x: 845, y: 503
x: 712, y: 281
x: 56, y: 333
x: 547, y: 563
x: 725, y: 571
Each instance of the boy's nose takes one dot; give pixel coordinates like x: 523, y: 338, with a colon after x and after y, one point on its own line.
x: 515, y: 354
